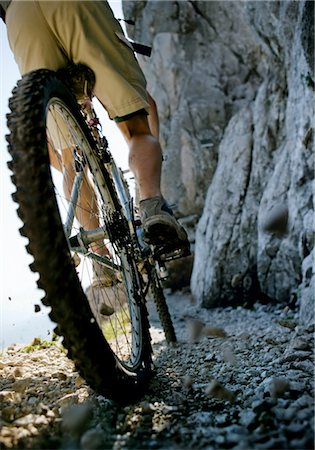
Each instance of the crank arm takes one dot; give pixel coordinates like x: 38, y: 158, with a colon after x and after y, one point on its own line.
x: 102, y: 260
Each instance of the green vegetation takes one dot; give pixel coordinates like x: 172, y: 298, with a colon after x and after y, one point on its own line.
x: 117, y: 325
x: 40, y: 344
x: 308, y: 80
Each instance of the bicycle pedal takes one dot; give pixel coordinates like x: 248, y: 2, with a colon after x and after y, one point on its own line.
x: 169, y: 255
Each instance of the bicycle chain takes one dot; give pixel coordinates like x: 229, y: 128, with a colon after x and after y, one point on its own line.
x: 117, y: 228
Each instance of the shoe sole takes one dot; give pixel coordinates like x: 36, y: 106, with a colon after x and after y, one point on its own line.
x: 161, y: 232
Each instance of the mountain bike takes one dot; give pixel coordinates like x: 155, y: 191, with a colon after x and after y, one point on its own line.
x: 84, y: 232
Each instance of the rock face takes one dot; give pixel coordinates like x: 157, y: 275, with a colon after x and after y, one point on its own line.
x: 234, y: 86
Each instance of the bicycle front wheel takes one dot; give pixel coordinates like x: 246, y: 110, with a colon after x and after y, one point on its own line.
x: 79, y: 238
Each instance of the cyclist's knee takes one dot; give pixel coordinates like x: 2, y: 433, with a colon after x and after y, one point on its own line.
x: 134, y: 126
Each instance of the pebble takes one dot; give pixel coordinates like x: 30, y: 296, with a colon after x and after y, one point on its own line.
x: 214, y: 332
x: 8, y: 413
x: 217, y: 390
x: 229, y: 356
x: 60, y: 375
x: 276, y: 387
x: 18, y: 372
x: 20, y: 385
x: 245, y: 384
x: 92, y: 439
x: 195, y: 328
x: 188, y: 381
x: 147, y: 407
x: 79, y: 381
x: 68, y: 399
x: 76, y: 418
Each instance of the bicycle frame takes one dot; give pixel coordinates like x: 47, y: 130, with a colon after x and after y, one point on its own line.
x: 80, y: 242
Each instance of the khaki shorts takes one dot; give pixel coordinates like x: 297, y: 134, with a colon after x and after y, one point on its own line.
x: 50, y: 34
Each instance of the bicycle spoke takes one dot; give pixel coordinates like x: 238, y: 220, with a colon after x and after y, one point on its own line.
x: 117, y: 298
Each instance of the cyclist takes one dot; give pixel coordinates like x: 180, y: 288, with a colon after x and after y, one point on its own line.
x: 54, y: 34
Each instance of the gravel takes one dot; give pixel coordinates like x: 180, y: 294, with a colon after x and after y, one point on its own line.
x: 237, y: 379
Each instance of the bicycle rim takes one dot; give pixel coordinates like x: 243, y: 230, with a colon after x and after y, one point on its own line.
x: 113, y: 290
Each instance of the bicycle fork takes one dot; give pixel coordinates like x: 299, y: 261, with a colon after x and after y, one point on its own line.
x: 81, y: 241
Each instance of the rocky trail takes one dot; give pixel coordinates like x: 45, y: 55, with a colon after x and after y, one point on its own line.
x: 238, y: 379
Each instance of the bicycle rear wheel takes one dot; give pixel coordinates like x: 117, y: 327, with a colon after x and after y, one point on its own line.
x: 162, y: 309
x: 79, y: 238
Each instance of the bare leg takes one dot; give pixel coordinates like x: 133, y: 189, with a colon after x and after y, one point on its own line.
x: 54, y: 157
x: 145, y: 155
x: 145, y: 161
x: 153, y: 118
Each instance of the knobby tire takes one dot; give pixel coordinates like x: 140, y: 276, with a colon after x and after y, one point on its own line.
x: 162, y: 309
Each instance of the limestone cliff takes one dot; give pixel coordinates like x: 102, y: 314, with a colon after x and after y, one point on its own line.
x: 234, y: 85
